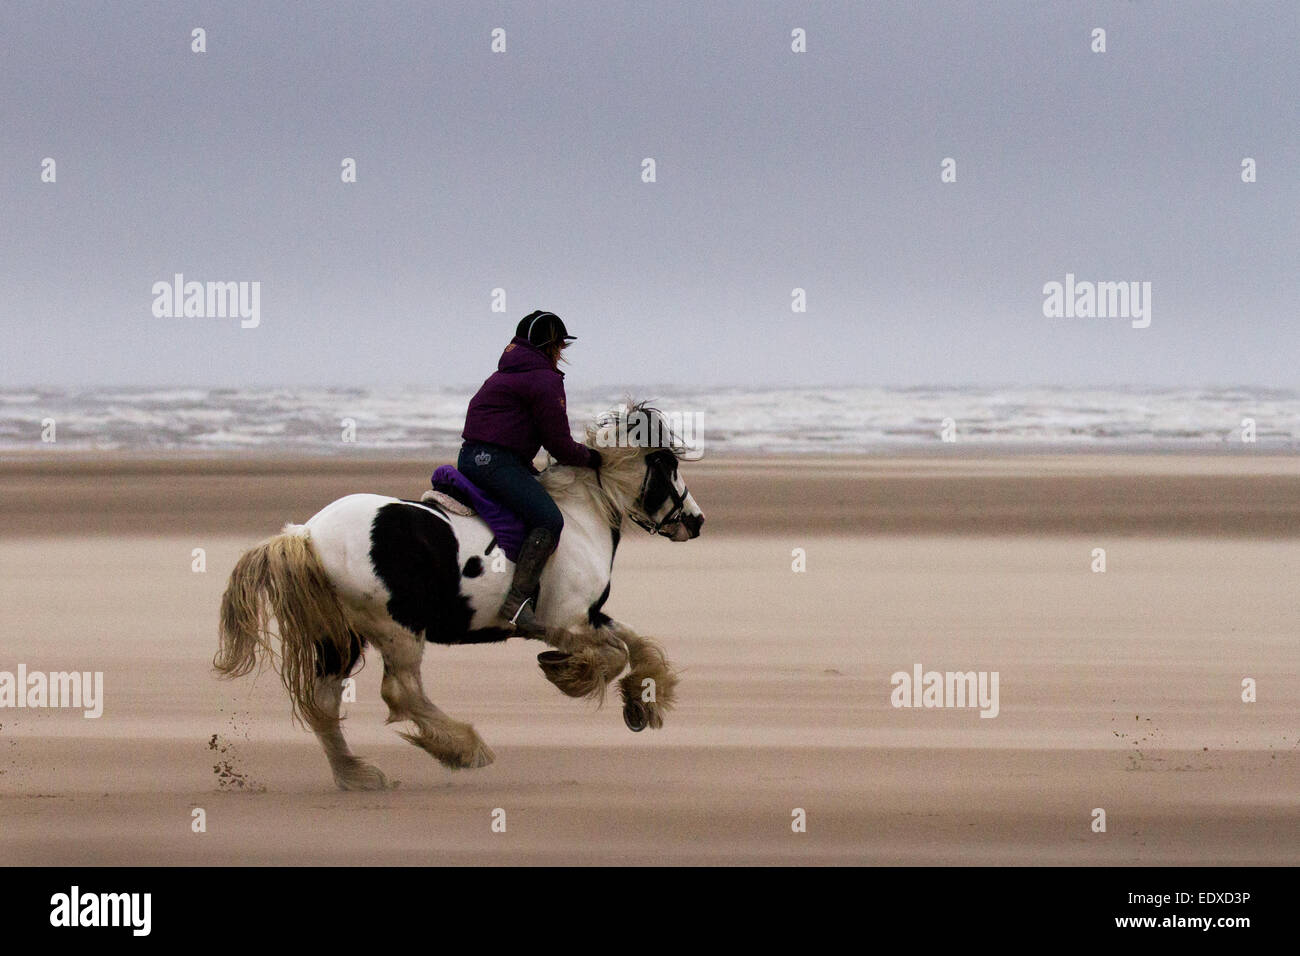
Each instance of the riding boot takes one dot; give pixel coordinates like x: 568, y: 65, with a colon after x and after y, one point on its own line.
x: 517, y: 608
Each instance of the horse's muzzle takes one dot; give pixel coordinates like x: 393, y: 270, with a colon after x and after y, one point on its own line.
x: 690, y: 524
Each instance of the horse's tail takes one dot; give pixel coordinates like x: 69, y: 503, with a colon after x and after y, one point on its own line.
x: 283, y: 578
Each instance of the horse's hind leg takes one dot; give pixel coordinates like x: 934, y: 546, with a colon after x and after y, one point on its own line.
x: 350, y: 771
x: 451, y: 742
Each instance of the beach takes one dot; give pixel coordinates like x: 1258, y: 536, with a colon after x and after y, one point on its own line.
x: 1118, y: 690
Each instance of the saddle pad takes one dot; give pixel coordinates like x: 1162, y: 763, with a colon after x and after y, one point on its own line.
x: 505, y: 524
x: 447, y: 503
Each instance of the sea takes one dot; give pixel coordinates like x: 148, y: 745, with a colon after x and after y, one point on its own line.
x: 736, y: 420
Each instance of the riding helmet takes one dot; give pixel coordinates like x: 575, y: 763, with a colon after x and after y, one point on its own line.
x: 542, y: 329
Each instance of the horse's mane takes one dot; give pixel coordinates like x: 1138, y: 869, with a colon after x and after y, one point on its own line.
x: 620, y: 473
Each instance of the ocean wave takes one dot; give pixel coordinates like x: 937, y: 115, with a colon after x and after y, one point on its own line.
x: 849, y: 419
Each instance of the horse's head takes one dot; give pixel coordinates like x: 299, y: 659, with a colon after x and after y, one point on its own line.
x: 665, y: 505
x: 638, y: 443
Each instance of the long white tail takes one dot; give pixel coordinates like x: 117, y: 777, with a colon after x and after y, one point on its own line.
x: 283, y: 578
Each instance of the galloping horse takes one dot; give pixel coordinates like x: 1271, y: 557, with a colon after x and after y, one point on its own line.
x: 374, y: 570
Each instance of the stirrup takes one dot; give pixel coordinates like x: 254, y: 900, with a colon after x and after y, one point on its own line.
x: 528, y: 627
x: 519, y: 610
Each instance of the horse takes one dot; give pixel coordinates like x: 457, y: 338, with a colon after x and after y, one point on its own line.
x: 372, y: 570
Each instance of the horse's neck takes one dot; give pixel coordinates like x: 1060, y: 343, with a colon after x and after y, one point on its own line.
x: 584, y: 505
x: 580, y: 488
x: 588, y: 542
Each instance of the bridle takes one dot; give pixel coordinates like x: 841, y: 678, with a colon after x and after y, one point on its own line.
x: 655, y: 467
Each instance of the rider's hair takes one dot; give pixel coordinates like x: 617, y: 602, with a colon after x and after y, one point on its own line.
x: 555, y: 352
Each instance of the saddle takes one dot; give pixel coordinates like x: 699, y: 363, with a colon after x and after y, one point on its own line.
x: 454, y: 493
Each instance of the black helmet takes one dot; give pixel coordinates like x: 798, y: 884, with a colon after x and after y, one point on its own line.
x: 542, y: 329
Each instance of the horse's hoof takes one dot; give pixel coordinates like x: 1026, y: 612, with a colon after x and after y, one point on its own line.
x: 635, y: 716
x: 477, y: 756
x: 476, y: 753
x: 482, y: 756
x: 362, y: 776
x: 552, y: 663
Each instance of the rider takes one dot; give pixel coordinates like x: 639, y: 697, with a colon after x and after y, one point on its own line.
x: 520, y: 408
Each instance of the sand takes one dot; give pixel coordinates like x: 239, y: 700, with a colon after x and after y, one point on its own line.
x: 1118, y: 690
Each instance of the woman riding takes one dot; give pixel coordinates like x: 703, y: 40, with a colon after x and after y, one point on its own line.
x: 520, y: 408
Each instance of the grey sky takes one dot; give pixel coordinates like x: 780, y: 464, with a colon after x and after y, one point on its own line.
x: 775, y: 170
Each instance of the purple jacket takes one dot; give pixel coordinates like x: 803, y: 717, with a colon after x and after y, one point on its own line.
x: 521, y: 407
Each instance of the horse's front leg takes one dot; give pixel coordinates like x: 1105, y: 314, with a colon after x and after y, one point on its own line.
x: 649, y: 687
x: 585, y: 660
x: 577, y: 638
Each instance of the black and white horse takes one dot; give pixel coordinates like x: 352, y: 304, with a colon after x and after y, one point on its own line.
x: 374, y: 570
